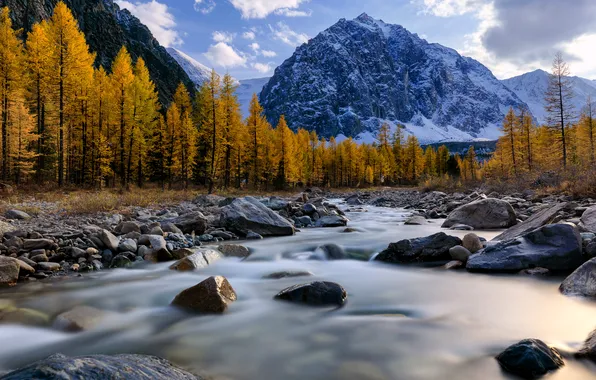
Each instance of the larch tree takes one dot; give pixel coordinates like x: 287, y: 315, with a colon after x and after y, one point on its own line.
x: 587, y: 130
x: 559, y: 106
x: 284, y: 140
x: 413, y: 158
x: 526, y: 131
x: 257, y: 126
x: 23, y: 135
x: 509, y: 134
x: 232, y: 126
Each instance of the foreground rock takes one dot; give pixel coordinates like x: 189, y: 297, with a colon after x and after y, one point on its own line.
x: 556, y: 247
x: 211, y: 296
x: 248, y: 214
x: 582, y: 282
x: 537, y: 220
x: 588, y: 350
x: 530, y: 359
x: 316, y: 293
x: 427, y: 249
x: 99, y: 367
x: 484, y: 214
x: 9, y: 271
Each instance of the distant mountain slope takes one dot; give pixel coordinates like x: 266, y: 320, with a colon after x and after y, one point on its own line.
x: 531, y: 88
x: 359, y: 73
x: 246, y: 89
x: 197, y: 72
x: 107, y: 28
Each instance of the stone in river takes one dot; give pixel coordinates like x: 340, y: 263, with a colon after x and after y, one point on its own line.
x: 120, y: 261
x: 27, y: 317
x: 80, y: 318
x: 332, y: 221
x: 248, y: 214
x: 459, y: 253
x: 416, y: 220
x: 287, y: 274
x: 427, y: 249
x: 316, y: 293
x: 582, y: 282
x: 109, y: 240
x: 588, y: 349
x: 487, y: 213
x: 472, y: 243
x: 212, y: 296
x: 234, y: 250
x: 530, y: 359
x: 100, y: 367
x: 202, y: 258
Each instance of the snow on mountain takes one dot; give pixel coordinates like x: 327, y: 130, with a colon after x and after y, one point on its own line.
x: 246, y: 89
x: 360, y: 73
x: 197, y: 72
x: 531, y: 88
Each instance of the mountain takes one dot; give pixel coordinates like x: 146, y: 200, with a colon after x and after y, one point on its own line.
x: 197, y: 72
x: 245, y: 91
x: 531, y: 88
x: 108, y: 28
x: 360, y: 73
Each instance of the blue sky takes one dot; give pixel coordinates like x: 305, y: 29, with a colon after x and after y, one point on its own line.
x: 249, y: 38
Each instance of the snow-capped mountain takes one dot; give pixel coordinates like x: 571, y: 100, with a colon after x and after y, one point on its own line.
x: 531, y: 88
x: 246, y: 89
x: 360, y: 73
x: 197, y: 72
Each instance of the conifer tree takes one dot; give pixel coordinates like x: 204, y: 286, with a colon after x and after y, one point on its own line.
x: 23, y: 135
x: 509, y: 134
x: 285, y: 153
x: 257, y: 127
x: 232, y: 127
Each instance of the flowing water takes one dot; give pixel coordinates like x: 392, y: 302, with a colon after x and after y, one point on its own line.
x: 400, y: 322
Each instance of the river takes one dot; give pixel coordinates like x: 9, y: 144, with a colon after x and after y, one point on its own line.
x: 400, y: 322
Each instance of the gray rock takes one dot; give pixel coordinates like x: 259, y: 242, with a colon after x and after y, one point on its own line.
x: 588, y: 350
x: 128, y: 227
x: 100, y: 367
x: 582, y: 282
x: 49, y: 267
x: 17, y: 215
x: 459, y: 253
x: 234, y: 250
x: 472, y: 243
x: 154, y: 241
x: 427, y: 249
x: 120, y: 261
x: 530, y: 359
x: 590, y: 250
x: 332, y: 221
x: 201, y: 258
x: 25, y: 268
x: 276, y: 204
x: 588, y: 220
x: 556, y: 247
x: 316, y: 293
x: 43, y: 258
x: 539, y: 219
x: 9, y: 271
x: 32, y: 244
x: 416, y: 220
x: 251, y: 235
x: 80, y: 318
x: 483, y: 214
x: 212, y: 296
x: 170, y: 227
x: 5, y: 227
x: 109, y: 240
x: 287, y: 274
x: 191, y: 222
x: 127, y: 245
x: 248, y: 214
x: 304, y: 221
x: 309, y: 208
x: 156, y: 231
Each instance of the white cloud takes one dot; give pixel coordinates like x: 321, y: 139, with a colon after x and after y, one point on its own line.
x: 285, y: 34
x: 157, y: 18
x: 250, y: 35
x: 255, y: 47
x: 223, y: 37
x: 292, y: 12
x: 223, y: 55
x: 268, y: 53
x: 446, y: 8
x: 263, y: 8
x: 263, y: 68
x: 204, y: 6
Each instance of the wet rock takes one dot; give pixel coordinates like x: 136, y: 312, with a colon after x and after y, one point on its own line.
x: 234, y: 250
x: 17, y: 215
x: 109, y: 240
x: 127, y: 245
x: 27, y: 317
x: 536, y: 272
x: 333, y: 252
x: 181, y: 253
x: 416, y: 220
x: 99, y: 367
x: 354, y: 200
x: 427, y: 249
x: 309, y: 209
x: 212, y: 296
x: 556, y: 247
x: 332, y: 221
x: 530, y: 359
x: 9, y: 271
x: 80, y: 318
x: 121, y: 261
x: 202, y: 258
x: 588, y: 350
x: 483, y: 214
x: 455, y: 264
x: 459, y: 253
x: 287, y: 274
x: 251, y: 235
x: 276, y: 204
x: 304, y: 221
x: 582, y: 282
x: 191, y: 222
x: 76, y: 252
x: 49, y: 267
x: 316, y: 293
x: 472, y: 243
x: 539, y: 219
x: 32, y: 244
x: 248, y: 214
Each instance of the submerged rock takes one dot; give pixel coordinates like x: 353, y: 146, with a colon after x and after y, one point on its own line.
x: 582, y: 282
x: 588, y: 349
x: 427, y: 249
x: 530, y: 359
x: 211, y: 296
x: 316, y: 293
x: 27, y: 317
x: 80, y: 318
x: 100, y: 367
x: 483, y: 214
x: 247, y: 214
x: 287, y: 274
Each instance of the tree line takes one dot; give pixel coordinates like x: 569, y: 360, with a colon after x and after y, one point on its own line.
x: 65, y: 121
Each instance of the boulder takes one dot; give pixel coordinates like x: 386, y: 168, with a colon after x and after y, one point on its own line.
x: 427, y: 249
x: 80, y: 318
x: 17, y: 215
x: 556, y: 247
x: 588, y: 349
x: 588, y: 219
x: 472, y: 243
x: 582, y: 282
x: 191, y: 222
x: 537, y: 220
x: 416, y: 220
x: 234, y: 250
x: 33, y: 244
x: 211, y: 296
x: 9, y: 271
x: 483, y: 214
x: 459, y: 253
x: 248, y: 214
x: 109, y: 240
x: 530, y: 359
x: 316, y: 293
x: 332, y: 221
x: 202, y: 258
x: 99, y: 367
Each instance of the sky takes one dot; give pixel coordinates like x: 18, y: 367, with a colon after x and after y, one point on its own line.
x: 249, y: 38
